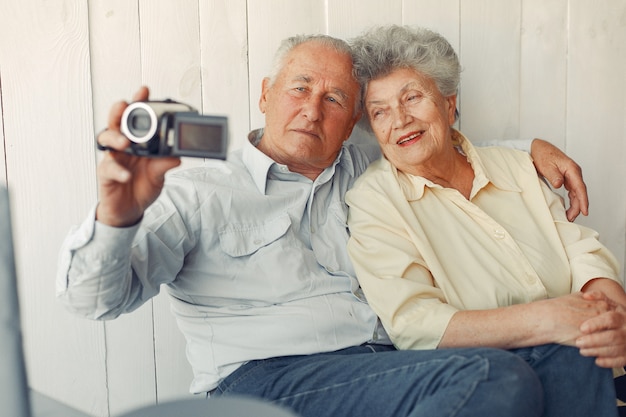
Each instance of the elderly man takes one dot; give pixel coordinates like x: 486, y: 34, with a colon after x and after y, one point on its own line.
x: 253, y: 254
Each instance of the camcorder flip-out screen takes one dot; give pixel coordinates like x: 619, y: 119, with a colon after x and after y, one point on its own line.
x: 200, y: 136
x: 169, y: 128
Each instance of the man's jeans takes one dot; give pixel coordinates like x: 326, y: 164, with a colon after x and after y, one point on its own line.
x: 379, y: 381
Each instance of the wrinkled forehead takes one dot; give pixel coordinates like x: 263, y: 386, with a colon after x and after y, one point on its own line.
x: 399, y: 81
x: 319, y: 63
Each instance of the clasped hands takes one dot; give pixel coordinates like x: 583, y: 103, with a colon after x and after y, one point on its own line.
x: 604, y: 336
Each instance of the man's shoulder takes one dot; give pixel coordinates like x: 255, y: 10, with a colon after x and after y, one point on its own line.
x: 361, y: 155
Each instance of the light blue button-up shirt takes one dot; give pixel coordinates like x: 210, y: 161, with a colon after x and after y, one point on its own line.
x: 253, y: 256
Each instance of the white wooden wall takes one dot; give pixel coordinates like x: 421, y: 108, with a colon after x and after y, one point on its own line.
x: 554, y: 69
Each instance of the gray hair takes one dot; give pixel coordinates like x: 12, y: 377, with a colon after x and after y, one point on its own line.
x: 381, y: 50
x: 288, y: 44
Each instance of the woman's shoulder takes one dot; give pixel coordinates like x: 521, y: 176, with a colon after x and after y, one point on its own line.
x: 378, y: 174
x: 502, y: 159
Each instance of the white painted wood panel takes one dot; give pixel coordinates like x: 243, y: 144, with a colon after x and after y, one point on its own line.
x: 442, y: 16
x: 490, y: 56
x: 347, y: 18
x: 171, y: 67
x: 596, y: 134
x: 543, y: 72
x: 3, y: 168
x: 116, y: 73
x: 224, y: 63
x: 46, y: 110
x: 554, y: 69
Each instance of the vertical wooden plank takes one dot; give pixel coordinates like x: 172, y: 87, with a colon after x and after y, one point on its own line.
x: 171, y: 66
x: 441, y: 16
x: 116, y: 74
x: 3, y: 166
x: 115, y: 54
x: 490, y: 54
x: 348, y: 18
x: 543, y: 70
x: 224, y: 56
x: 47, y: 110
x: 596, y: 133
x: 269, y: 22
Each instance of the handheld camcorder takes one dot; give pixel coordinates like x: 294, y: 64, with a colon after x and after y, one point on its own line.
x: 170, y: 128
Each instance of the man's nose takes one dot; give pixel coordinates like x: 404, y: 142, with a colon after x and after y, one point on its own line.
x: 312, y: 108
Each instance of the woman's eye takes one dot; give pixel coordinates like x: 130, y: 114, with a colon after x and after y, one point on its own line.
x: 414, y: 96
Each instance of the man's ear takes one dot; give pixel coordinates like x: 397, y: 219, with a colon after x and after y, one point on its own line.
x: 265, y: 87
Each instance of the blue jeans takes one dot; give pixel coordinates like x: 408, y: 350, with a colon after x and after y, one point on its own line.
x: 379, y: 381
x: 572, y: 384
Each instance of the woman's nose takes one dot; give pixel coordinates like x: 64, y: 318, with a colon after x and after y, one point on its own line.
x: 401, y: 117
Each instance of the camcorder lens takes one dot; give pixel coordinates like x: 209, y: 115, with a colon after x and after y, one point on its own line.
x: 139, y: 122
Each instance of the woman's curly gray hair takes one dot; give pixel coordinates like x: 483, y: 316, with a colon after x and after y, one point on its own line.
x: 382, y: 50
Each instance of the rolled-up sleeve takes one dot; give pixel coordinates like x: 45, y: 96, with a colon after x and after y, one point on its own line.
x: 588, y: 257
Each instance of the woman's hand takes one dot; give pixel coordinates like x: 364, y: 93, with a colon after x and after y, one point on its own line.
x: 604, y: 336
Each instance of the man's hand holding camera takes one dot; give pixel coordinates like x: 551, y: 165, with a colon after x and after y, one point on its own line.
x: 144, y: 140
x: 128, y: 184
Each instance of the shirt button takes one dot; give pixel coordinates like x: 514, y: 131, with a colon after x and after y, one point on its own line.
x: 257, y: 241
x: 499, y: 234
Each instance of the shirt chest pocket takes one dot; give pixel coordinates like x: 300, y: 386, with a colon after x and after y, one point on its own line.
x: 244, y: 239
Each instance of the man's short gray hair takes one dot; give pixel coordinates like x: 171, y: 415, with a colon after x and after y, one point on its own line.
x: 288, y: 44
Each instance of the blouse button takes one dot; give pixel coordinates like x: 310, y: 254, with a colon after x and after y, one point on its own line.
x: 499, y: 234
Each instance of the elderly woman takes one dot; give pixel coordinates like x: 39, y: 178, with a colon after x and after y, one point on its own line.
x: 457, y: 246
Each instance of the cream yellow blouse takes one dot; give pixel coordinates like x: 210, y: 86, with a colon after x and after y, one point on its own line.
x: 422, y: 252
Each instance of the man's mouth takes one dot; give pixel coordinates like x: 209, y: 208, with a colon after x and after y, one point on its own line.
x: 411, y: 137
x: 307, y: 132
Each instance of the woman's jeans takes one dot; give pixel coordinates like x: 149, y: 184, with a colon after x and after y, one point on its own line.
x: 572, y: 384
x: 379, y: 381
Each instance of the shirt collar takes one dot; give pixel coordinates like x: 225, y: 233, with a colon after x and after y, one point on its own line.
x: 486, y: 171
x: 259, y: 164
x: 413, y: 186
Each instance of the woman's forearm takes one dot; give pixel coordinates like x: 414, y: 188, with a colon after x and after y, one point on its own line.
x: 554, y: 320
